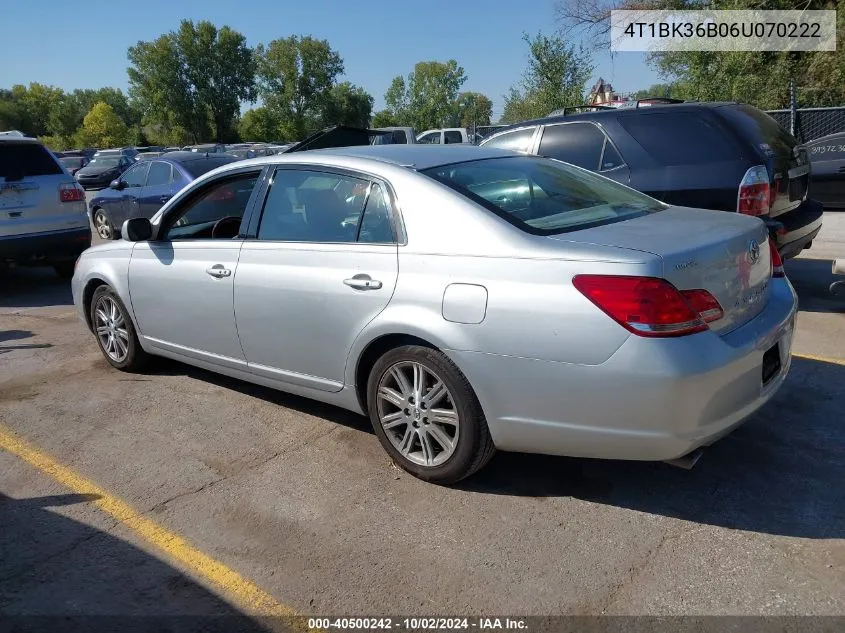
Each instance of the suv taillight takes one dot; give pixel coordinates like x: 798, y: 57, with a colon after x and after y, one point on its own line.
x: 754, y: 192
x: 71, y: 192
x: 648, y: 306
x: 777, y: 261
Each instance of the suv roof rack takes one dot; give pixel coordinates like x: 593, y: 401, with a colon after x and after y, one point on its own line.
x: 585, y: 107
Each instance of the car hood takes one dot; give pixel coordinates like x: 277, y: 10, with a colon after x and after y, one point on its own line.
x: 95, y: 170
x: 336, y: 136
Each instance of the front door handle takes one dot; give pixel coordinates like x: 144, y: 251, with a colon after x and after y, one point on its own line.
x: 362, y: 282
x: 218, y: 271
x: 165, y: 199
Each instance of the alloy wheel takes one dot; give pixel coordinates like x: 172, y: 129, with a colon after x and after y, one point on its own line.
x: 110, y: 326
x: 103, y: 226
x: 418, y: 414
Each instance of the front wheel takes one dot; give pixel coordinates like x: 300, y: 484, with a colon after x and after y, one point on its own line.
x: 103, y: 225
x: 115, y: 332
x: 427, y: 416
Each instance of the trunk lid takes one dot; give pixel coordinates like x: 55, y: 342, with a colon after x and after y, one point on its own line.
x: 787, y: 161
x: 710, y: 250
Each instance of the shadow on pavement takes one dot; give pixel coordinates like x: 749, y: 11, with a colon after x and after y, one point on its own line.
x: 29, y: 287
x: 811, y: 279
x: 782, y: 472
x: 59, y: 574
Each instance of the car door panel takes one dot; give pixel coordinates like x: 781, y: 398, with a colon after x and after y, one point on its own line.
x: 296, y: 317
x: 179, y: 305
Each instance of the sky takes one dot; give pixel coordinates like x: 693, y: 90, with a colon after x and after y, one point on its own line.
x: 82, y: 44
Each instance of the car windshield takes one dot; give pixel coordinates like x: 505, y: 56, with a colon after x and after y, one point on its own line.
x: 544, y: 196
x: 105, y: 161
x: 71, y: 162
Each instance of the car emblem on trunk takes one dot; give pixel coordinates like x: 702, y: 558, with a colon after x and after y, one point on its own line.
x: 753, y: 251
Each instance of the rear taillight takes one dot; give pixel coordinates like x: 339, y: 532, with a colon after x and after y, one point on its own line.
x: 71, y: 192
x: 705, y: 304
x: 648, y: 306
x: 777, y: 261
x: 754, y: 192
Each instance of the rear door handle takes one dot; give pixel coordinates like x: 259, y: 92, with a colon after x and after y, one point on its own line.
x: 218, y: 271
x: 362, y: 282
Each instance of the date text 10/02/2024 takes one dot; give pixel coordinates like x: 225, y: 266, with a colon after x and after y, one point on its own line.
x: 419, y: 624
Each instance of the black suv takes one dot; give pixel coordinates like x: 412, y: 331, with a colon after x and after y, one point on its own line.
x: 724, y: 156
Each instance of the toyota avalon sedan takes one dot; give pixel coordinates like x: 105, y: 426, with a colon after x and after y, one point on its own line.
x: 465, y: 299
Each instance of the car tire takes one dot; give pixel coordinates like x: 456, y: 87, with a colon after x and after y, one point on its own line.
x: 117, y: 339
x: 64, y: 269
x: 103, y: 225
x: 440, y: 435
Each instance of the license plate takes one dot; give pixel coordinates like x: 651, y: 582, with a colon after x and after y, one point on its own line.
x: 771, y: 363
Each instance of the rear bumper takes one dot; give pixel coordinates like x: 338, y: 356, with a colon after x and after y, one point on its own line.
x: 47, y: 247
x: 794, y: 230
x: 653, y: 399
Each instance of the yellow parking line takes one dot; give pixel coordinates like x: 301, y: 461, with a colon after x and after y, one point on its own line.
x: 245, y: 592
x: 823, y: 359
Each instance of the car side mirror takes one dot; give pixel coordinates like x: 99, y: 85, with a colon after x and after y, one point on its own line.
x: 117, y: 184
x: 137, y: 230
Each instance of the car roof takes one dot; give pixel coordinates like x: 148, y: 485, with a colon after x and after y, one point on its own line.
x: 410, y: 155
x: 614, y: 112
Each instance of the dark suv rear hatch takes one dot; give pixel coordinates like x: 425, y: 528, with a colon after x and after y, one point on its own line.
x: 786, y: 161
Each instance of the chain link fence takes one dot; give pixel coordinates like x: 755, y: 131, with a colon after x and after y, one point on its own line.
x: 811, y: 123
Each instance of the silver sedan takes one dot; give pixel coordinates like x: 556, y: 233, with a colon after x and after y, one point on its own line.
x: 465, y: 299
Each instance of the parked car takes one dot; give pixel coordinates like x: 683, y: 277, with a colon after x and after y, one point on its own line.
x: 43, y: 220
x: 172, y: 149
x: 210, y: 148
x: 87, y: 153
x: 103, y: 168
x: 827, y: 156
x: 400, y: 135
x: 241, y: 154
x: 445, y: 136
x: 473, y: 299
x: 148, y: 155
x: 723, y: 156
x: 142, y: 189
x: 73, y: 163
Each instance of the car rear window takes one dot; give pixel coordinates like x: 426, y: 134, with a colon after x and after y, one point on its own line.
x: 543, y: 196
x: 21, y: 160
x: 202, y: 165
x: 680, y: 138
x: 760, y: 129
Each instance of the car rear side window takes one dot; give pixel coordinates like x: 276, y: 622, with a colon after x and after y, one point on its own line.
x: 680, y: 138
x: 452, y: 136
x: 517, y: 140
x: 313, y: 206
x: 760, y: 129
x: 576, y: 143
x: 159, y: 174
x: 22, y: 160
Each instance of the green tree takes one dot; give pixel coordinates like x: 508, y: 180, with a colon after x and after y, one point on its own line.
x: 384, y: 118
x: 428, y: 98
x: 11, y: 117
x: 193, y: 79
x: 35, y: 102
x: 474, y: 109
x: 259, y: 124
x: 295, y: 76
x: 556, y: 77
x: 101, y: 127
x: 347, y: 105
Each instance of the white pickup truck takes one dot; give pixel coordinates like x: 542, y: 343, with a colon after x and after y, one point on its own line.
x: 447, y: 135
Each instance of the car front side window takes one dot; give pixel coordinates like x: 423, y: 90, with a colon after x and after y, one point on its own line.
x: 213, y: 212
x: 135, y: 176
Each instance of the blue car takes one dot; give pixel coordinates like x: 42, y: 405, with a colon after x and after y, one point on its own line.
x: 142, y: 189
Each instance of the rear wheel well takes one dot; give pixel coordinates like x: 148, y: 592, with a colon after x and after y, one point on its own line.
x: 375, y: 350
x: 88, y: 295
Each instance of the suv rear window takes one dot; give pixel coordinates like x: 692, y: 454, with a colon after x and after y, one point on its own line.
x: 680, y: 138
x: 202, y: 165
x: 760, y: 129
x: 21, y: 160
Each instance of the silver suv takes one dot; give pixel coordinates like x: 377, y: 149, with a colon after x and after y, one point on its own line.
x: 43, y: 220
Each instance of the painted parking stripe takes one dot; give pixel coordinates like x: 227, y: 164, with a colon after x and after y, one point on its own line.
x: 823, y: 359
x: 243, y: 591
